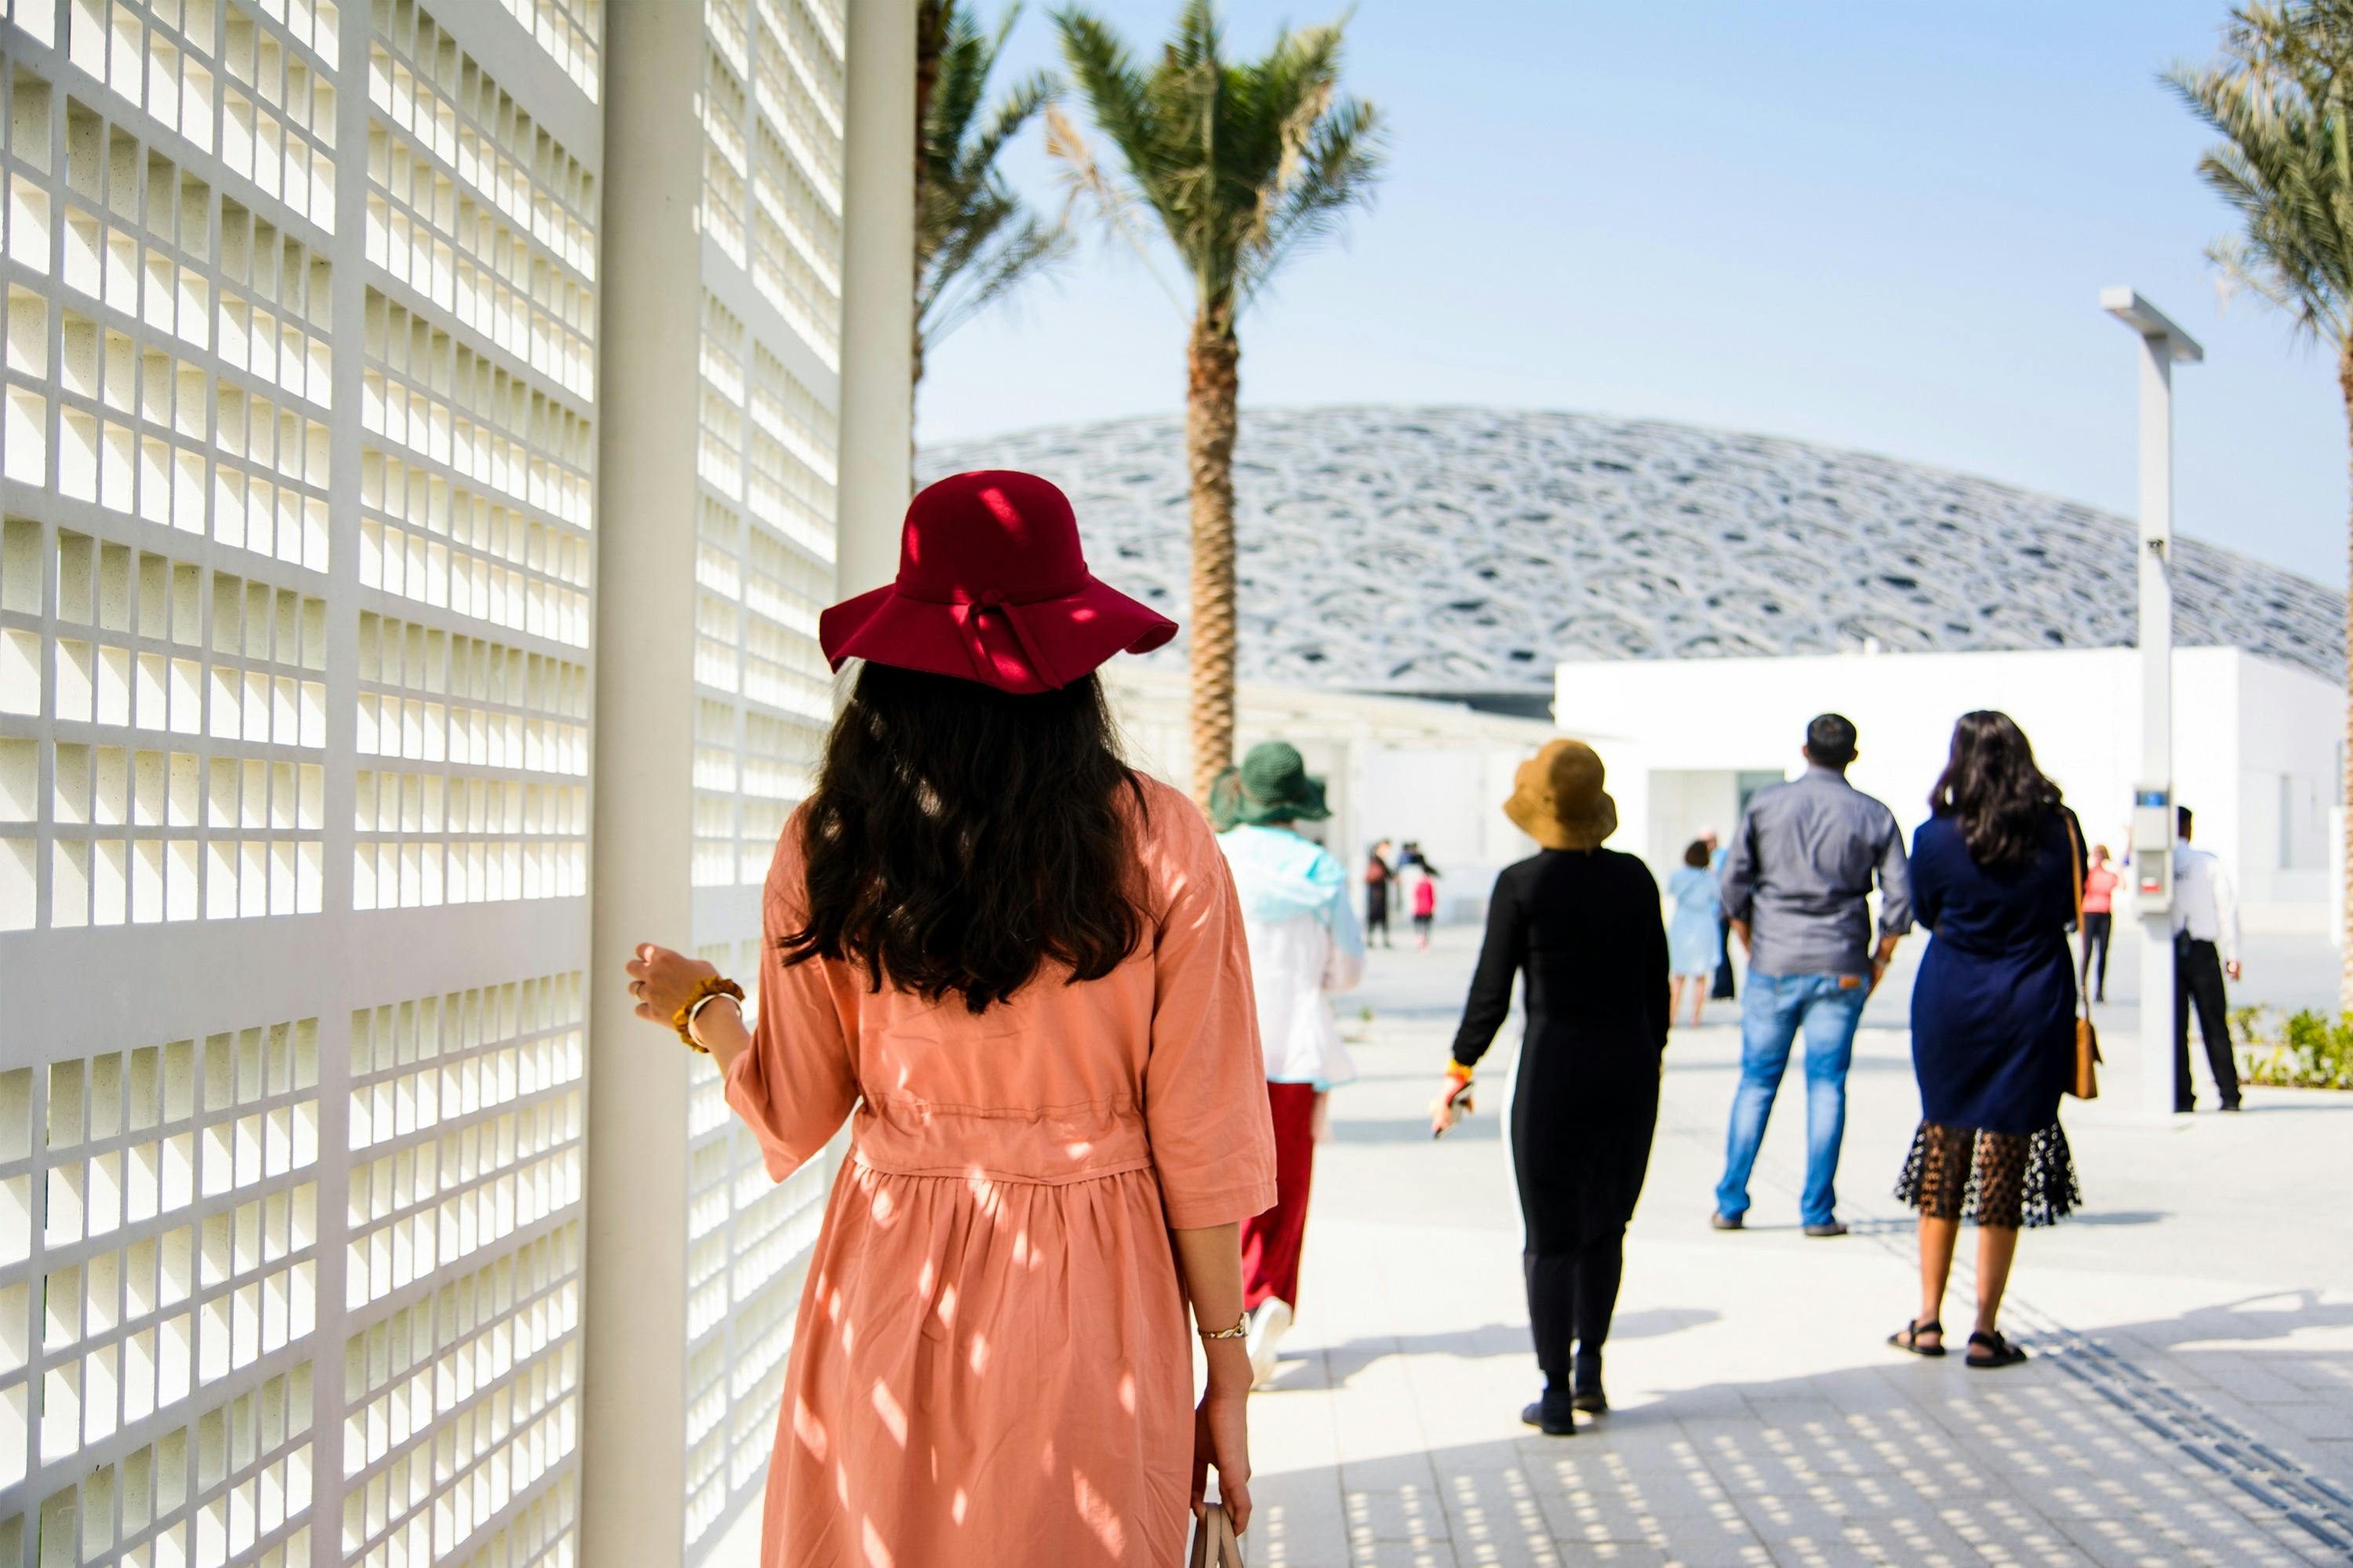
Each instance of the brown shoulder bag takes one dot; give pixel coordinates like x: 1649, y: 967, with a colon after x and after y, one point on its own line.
x: 2085, y: 1084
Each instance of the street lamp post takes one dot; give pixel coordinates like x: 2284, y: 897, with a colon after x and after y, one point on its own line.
x: 2162, y: 344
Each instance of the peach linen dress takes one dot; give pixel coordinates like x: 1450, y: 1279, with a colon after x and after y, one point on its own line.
x: 993, y: 1367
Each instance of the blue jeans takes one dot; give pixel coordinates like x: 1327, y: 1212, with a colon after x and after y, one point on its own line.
x: 1772, y: 1010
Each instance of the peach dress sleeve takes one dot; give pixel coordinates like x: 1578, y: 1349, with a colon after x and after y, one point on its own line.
x: 992, y: 1364
x: 796, y: 1084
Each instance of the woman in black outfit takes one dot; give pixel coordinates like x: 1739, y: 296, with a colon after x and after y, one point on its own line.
x: 1994, y: 875
x: 1582, y: 922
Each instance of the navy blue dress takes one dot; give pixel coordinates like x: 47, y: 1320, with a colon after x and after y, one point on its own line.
x: 1993, y: 1030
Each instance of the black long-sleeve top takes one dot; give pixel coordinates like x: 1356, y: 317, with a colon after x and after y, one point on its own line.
x: 1585, y: 927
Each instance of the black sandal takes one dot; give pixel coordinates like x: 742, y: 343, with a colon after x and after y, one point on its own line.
x: 1907, y: 1338
x: 1999, y: 1352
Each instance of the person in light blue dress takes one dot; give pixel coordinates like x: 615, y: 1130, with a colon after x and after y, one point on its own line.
x: 1695, y: 936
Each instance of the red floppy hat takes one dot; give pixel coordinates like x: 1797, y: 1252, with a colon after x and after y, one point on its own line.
x: 992, y: 587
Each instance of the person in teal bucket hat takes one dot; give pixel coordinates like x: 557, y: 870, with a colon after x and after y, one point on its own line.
x: 1304, y: 945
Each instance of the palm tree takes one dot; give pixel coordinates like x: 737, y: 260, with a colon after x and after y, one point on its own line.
x: 1243, y: 163
x: 974, y: 239
x: 2281, y: 94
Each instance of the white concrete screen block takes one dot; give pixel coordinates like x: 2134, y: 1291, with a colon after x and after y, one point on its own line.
x: 296, y: 595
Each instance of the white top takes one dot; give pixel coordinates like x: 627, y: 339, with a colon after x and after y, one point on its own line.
x: 1304, y: 945
x: 2203, y: 903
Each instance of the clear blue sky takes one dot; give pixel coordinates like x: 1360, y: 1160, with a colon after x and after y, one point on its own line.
x: 1876, y: 226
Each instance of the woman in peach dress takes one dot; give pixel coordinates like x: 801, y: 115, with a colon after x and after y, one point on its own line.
x: 1016, y: 969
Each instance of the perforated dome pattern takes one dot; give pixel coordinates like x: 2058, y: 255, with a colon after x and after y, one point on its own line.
x: 1467, y: 550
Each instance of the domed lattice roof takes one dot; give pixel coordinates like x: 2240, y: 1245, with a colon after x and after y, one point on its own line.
x: 1468, y: 550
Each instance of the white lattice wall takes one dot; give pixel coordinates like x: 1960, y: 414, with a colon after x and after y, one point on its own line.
x: 765, y: 518
x: 295, y: 601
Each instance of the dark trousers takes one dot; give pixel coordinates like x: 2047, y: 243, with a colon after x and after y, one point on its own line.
x: 2095, y: 978
x: 2197, y: 977
x: 1376, y: 912
x: 1571, y: 1296
x: 1722, y: 989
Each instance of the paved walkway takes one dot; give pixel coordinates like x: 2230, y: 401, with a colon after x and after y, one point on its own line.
x: 2191, y: 1402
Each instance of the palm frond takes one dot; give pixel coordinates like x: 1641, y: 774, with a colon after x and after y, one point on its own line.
x: 1243, y: 163
x: 1338, y: 170
x: 975, y: 241
x: 1088, y: 187
x: 2280, y: 95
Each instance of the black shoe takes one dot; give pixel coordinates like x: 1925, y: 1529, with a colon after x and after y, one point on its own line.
x: 1998, y: 1352
x: 1591, y: 1400
x: 2231, y: 1106
x: 1829, y: 1228
x: 1907, y: 1338
x: 1721, y: 1221
x: 1551, y: 1415
x: 2183, y: 1107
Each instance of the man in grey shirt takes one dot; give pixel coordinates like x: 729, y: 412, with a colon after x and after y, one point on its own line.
x: 1796, y: 886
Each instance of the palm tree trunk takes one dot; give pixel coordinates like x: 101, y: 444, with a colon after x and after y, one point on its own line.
x: 1212, y: 393
x: 931, y: 37
x: 2345, y: 767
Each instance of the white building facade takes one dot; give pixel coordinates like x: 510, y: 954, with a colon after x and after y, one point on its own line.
x: 2257, y: 745
x: 1393, y: 768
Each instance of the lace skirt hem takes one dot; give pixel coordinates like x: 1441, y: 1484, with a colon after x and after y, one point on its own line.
x: 2002, y: 1179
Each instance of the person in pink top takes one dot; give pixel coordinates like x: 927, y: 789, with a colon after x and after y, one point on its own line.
x: 1425, y: 903
x: 1016, y: 969
x: 2099, y: 918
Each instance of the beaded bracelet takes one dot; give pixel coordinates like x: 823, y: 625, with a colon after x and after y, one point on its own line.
x: 709, y: 986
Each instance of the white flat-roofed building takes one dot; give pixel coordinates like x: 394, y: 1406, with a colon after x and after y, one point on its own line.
x: 2257, y: 748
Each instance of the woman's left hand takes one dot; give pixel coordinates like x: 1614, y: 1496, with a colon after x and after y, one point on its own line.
x: 1221, y: 1441
x: 661, y: 981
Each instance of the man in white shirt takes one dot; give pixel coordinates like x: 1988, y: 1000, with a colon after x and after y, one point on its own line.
x: 2205, y: 948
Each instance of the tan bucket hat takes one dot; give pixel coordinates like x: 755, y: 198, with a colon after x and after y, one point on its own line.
x: 1557, y: 799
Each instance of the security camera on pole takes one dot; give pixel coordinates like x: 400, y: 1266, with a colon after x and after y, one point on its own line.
x: 2162, y: 344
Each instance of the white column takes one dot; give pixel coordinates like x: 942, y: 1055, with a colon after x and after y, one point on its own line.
x: 878, y: 299
x: 2153, y: 1095
x: 633, y: 1501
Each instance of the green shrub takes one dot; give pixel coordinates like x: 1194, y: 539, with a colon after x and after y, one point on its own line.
x: 2310, y: 1051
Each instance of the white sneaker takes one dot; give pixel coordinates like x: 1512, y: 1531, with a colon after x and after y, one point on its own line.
x: 1268, y: 1324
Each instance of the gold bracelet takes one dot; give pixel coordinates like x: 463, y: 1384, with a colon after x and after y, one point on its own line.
x: 683, y: 1019
x: 1238, y: 1330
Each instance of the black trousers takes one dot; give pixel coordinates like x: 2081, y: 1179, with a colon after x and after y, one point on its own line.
x: 2198, y: 978
x: 1376, y: 911
x: 1722, y: 989
x: 1571, y: 1296
x: 1579, y: 1178
x: 2096, y: 926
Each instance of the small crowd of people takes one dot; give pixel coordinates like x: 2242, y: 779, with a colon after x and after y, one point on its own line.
x: 1384, y: 873
x: 1082, y: 1034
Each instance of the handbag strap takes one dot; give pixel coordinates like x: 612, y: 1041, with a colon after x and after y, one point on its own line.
x: 1215, y: 1545
x: 2075, y: 875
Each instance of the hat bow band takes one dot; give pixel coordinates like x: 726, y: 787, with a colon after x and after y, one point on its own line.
x: 967, y: 610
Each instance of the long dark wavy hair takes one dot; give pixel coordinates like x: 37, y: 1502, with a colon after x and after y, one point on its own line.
x: 961, y: 838
x: 1993, y: 787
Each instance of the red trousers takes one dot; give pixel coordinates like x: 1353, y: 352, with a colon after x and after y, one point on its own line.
x: 1271, y: 1241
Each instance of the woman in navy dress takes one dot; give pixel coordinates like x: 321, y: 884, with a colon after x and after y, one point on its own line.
x: 1993, y: 1032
